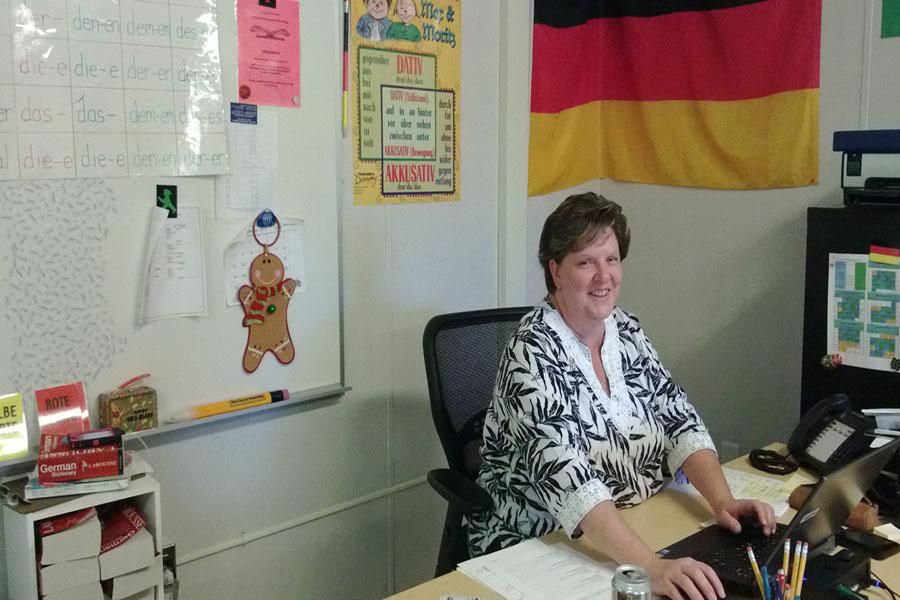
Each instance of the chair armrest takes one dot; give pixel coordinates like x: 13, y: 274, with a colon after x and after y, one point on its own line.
x: 460, y: 491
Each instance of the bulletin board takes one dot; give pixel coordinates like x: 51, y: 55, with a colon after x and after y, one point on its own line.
x: 72, y: 249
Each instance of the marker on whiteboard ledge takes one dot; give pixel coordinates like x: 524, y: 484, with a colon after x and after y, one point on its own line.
x: 227, y: 406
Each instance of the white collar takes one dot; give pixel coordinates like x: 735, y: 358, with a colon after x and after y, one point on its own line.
x: 616, y: 402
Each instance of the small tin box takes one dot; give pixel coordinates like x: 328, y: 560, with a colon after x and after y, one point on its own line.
x: 129, y: 409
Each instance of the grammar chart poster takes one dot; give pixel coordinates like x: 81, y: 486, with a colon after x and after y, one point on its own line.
x: 405, y: 78
x: 863, y: 311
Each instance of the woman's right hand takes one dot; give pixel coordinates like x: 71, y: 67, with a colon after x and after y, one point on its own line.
x: 684, y: 579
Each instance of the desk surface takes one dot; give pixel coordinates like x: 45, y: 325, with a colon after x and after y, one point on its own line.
x: 660, y: 521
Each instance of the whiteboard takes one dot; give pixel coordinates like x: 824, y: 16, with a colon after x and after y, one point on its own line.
x: 72, y: 251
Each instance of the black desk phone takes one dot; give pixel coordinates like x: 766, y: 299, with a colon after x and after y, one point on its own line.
x: 830, y: 435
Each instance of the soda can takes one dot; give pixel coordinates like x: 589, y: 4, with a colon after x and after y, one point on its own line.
x: 631, y: 583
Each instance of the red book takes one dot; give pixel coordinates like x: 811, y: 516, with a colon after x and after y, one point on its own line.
x: 56, y: 462
x: 119, y: 526
x: 62, y: 409
x: 66, y: 521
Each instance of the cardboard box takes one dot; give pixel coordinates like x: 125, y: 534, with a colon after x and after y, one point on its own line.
x: 129, y: 584
x: 88, y: 591
x: 129, y: 409
x: 137, y: 553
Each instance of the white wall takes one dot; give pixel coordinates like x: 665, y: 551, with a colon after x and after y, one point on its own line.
x: 401, y: 265
x: 716, y: 277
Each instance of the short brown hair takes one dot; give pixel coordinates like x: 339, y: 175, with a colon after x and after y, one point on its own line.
x: 574, y: 224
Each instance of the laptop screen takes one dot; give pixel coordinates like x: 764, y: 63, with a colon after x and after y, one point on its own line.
x: 834, y: 496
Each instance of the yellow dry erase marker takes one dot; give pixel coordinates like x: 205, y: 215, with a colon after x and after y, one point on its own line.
x: 227, y: 406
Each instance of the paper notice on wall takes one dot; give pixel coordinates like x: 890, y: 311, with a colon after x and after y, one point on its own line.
x: 863, y: 311
x: 174, y: 274
x: 252, y: 184
x: 243, y: 249
x: 269, y: 52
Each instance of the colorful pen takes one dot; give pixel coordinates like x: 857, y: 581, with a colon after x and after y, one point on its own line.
x: 767, y: 590
x: 226, y: 406
x: 756, y: 572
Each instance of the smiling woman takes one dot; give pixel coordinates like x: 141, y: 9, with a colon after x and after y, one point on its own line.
x: 584, y: 415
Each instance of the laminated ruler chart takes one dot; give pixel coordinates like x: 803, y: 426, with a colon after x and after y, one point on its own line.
x: 106, y: 88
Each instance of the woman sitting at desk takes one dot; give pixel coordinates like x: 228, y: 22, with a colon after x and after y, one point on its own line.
x: 584, y: 414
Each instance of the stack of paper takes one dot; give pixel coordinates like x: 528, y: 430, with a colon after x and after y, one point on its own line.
x: 536, y: 570
x: 887, y: 420
x: 889, y: 531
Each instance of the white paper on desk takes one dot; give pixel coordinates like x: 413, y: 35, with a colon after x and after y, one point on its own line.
x: 747, y: 486
x: 243, y: 249
x: 889, y: 531
x: 252, y: 184
x: 174, y: 273
x: 536, y: 570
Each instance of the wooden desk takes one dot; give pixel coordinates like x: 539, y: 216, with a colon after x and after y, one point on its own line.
x: 662, y: 520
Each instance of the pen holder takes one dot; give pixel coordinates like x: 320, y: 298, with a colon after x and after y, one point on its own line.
x: 864, y: 515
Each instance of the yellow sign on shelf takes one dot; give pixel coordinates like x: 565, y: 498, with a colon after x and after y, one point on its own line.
x: 13, y: 432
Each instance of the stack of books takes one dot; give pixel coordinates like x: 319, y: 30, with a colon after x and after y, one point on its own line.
x: 68, y: 550
x: 83, y: 557
x: 63, y: 470
x: 134, y: 466
x: 129, y: 565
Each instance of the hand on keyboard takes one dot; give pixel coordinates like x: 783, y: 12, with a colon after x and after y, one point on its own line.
x: 731, y: 513
x: 684, y: 579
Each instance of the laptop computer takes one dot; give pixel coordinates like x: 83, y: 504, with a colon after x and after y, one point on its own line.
x: 827, y: 507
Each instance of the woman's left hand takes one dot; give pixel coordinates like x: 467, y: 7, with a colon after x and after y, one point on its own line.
x: 729, y: 514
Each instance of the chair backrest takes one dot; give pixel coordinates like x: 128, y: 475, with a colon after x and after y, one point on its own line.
x: 462, y: 353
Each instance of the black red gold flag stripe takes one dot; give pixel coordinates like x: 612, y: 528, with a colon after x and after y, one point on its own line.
x: 702, y: 93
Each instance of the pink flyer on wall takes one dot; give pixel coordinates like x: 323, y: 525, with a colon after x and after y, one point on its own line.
x: 269, y: 52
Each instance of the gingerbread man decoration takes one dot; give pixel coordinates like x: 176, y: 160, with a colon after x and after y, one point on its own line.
x: 265, y: 306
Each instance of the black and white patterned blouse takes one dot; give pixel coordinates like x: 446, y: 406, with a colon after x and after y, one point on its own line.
x: 556, y: 445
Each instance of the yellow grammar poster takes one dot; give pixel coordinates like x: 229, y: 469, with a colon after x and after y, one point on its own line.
x: 405, y: 76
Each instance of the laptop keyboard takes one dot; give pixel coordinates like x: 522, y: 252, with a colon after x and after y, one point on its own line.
x: 732, y: 558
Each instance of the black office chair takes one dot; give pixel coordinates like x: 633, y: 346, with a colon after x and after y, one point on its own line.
x: 462, y: 353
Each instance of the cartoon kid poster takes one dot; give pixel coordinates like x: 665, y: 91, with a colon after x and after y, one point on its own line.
x: 405, y: 95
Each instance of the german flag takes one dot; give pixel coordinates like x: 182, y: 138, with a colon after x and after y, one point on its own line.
x: 701, y: 93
